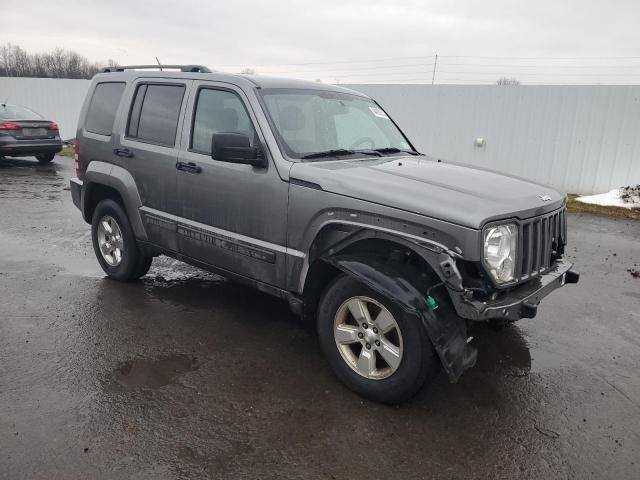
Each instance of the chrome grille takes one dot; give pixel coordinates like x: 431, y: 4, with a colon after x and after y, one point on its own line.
x: 541, y: 241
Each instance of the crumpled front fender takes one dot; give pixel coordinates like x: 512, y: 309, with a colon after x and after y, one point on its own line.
x: 446, y: 330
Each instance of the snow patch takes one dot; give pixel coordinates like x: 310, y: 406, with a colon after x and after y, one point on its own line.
x: 169, y: 270
x: 625, y: 197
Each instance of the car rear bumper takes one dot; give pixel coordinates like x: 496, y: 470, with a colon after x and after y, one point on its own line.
x: 523, y: 301
x: 75, y: 186
x: 11, y: 146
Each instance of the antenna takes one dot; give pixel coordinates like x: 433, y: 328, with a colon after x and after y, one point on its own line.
x: 435, y: 64
x: 159, y: 64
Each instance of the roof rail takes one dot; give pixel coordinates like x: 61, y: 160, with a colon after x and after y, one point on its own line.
x: 182, y: 68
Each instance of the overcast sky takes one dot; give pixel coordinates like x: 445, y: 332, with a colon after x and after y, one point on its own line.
x: 350, y: 41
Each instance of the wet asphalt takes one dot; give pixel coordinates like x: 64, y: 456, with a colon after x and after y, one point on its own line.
x: 183, y: 375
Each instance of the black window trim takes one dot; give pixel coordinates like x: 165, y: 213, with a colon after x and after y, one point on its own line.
x: 115, y: 116
x: 135, y: 110
x: 131, y: 113
x: 195, y: 109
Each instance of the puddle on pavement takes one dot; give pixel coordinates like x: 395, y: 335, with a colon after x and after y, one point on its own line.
x: 150, y: 373
x: 504, y: 350
x: 27, y: 179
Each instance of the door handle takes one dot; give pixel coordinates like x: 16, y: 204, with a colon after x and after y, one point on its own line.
x: 188, y: 167
x: 123, y: 152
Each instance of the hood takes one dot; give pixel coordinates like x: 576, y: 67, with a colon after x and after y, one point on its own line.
x: 451, y: 192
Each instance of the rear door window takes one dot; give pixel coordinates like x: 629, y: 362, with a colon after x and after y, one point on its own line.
x: 155, y: 113
x: 103, y: 107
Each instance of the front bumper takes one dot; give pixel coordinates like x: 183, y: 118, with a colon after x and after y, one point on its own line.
x: 75, y: 186
x: 522, y: 301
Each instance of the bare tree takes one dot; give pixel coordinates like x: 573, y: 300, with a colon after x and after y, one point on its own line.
x: 507, y: 81
x: 60, y: 63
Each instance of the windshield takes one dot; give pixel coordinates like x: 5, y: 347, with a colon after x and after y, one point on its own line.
x: 309, y: 122
x: 15, y: 112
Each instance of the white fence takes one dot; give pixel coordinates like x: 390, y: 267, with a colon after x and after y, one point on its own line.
x: 582, y: 139
x: 59, y: 100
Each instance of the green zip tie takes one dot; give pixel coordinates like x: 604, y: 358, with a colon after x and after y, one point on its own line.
x: 431, y: 303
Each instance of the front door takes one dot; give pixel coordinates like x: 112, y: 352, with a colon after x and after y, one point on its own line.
x: 231, y: 216
x: 149, y: 151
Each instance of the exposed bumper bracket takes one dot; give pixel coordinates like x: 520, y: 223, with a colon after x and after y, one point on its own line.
x: 572, y: 277
x: 522, y: 301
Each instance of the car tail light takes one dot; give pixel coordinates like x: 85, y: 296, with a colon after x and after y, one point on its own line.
x: 8, y: 126
x: 76, y: 153
x: 53, y: 126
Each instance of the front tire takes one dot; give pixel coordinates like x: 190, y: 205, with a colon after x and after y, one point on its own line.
x: 45, y: 157
x: 376, y: 348
x: 115, y: 245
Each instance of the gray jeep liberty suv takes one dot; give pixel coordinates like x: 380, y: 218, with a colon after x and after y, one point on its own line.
x: 312, y: 193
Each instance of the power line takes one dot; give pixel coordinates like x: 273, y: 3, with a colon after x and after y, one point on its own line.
x: 374, y: 67
x: 542, y: 58
x: 470, y: 69
x: 463, y: 73
x: 440, y: 57
x: 458, y: 81
x: 547, y: 74
x: 537, y: 66
x: 426, y: 76
x: 330, y: 63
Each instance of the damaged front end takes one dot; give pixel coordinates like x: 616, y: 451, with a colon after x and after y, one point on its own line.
x: 444, y: 305
x: 446, y: 288
x: 421, y: 295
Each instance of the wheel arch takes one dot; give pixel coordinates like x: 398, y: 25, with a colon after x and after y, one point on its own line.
x: 103, y: 180
x: 95, y: 193
x: 400, y: 270
x: 348, y: 238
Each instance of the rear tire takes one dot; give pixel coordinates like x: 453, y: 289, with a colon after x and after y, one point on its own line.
x: 382, y: 381
x: 45, y: 157
x: 115, y: 245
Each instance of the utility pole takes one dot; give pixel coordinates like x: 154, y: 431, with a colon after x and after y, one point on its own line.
x: 435, y: 64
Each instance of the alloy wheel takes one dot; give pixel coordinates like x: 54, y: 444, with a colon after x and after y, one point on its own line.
x: 110, y: 241
x: 368, y: 337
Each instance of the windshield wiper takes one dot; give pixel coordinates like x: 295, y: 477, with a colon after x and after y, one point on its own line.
x: 338, y: 152
x: 396, y: 150
x: 328, y: 153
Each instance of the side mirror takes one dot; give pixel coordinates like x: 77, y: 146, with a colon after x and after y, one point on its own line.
x: 236, y: 148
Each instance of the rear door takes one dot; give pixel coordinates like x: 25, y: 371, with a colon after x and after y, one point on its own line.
x: 148, y: 149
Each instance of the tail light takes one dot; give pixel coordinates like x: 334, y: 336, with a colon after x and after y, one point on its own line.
x: 8, y: 126
x: 53, y: 126
x: 76, y: 153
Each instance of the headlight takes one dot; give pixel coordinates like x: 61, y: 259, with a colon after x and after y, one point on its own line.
x: 499, y: 257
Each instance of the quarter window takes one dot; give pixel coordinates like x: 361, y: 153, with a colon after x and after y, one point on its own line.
x: 218, y: 111
x: 103, y: 107
x: 155, y: 113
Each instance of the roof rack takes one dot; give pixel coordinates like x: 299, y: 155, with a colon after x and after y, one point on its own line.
x: 182, y: 68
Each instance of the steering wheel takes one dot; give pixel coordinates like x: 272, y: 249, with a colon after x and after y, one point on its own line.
x: 362, y: 140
